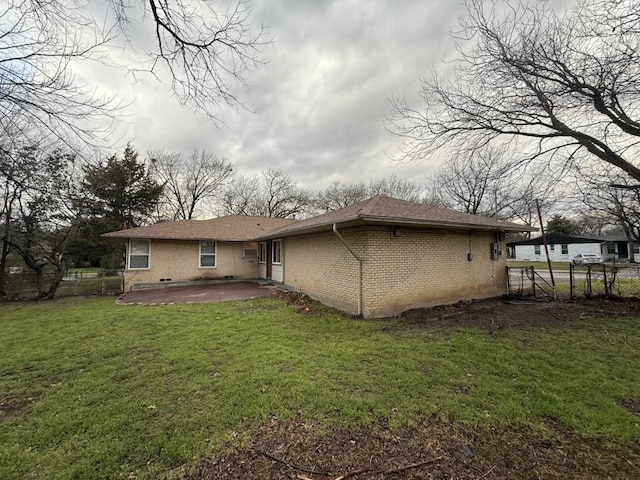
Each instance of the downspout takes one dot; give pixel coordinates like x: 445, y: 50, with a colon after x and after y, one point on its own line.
x: 355, y: 255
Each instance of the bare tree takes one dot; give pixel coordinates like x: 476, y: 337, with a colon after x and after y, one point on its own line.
x: 19, y: 173
x: 273, y: 194
x: 535, y: 188
x: 594, y: 223
x: 611, y: 196
x: 203, y: 53
x: 340, y: 195
x: 562, y: 84
x: 42, y: 213
x: 39, y: 98
x: 481, y: 184
x: 487, y: 183
x: 207, y: 51
x: 241, y: 196
x: 395, y: 187
x: 191, y: 184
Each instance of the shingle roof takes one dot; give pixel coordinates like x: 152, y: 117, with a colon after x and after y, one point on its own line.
x: 229, y: 228
x: 379, y: 209
x: 557, y: 240
x: 389, y: 210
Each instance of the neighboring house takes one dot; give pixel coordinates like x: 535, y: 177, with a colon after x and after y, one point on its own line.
x: 562, y: 248
x: 376, y: 258
x: 617, y: 247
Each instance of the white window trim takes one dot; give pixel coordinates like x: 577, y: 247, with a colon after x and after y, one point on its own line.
x: 129, y: 267
x: 262, y: 245
x: 215, y: 254
x: 273, y: 251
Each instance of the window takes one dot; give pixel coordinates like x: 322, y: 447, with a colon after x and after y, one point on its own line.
x: 536, y: 249
x: 276, y: 250
x: 636, y: 248
x: 553, y: 247
x: 138, y: 254
x: 565, y: 249
x: 250, y: 249
x: 611, y: 248
x: 262, y: 252
x: 207, y: 254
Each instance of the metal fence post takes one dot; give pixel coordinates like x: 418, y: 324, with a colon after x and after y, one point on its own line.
x: 571, y: 281
x: 508, y: 282
x: 533, y: 280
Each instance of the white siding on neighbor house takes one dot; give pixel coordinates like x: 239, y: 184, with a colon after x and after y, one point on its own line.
x: 527, y: 252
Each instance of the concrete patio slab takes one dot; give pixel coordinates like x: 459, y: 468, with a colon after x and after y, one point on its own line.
x: 218, y: 292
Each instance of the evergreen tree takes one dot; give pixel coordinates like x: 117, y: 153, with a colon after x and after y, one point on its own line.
x: 121, y: 194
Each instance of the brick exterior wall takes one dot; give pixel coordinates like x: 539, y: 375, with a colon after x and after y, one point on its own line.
x: 321, y: 266
x: 419, y: 268
x: 179, y: 261
x: 402, y: 268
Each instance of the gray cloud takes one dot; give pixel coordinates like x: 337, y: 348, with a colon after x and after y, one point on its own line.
x: 319, y: 101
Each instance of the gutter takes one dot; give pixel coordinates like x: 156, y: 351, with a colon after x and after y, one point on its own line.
x: 355, y: 255
x: 445, y: 224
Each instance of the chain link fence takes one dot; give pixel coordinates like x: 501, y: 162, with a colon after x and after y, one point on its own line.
x: 605, y: 280
x: 24, y: 284
x: 526, y: 281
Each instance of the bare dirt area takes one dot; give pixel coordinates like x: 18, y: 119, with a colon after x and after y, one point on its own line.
x: 496, y: 313
x: 509, y: 313
x: 10, y: 406
x: 432, y: 448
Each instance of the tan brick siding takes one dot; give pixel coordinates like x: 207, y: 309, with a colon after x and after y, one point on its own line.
x: 415, y: 268
x: 179, y: 261
x: 407, y: 269
x: 321, y: 266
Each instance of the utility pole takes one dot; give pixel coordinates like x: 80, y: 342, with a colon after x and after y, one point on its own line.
x: 546, y: 247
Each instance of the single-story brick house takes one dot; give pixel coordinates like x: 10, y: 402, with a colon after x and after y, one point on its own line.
x: 562, y: 248
x: 618, y: 247
x: 377, y: 258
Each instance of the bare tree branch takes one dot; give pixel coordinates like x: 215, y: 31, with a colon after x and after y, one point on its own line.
x: 524, y: 72
x: 192, y: 185
x: 207, y: 54
x: 273, y: 194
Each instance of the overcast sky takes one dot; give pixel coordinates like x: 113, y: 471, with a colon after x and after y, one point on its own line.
x: 321, y: 97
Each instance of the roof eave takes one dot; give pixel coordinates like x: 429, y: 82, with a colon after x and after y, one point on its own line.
x: 445, y: 224
x: 365, y: 219
x: 175, y: 238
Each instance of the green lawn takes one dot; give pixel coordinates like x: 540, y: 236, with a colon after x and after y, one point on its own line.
x: 94, y: 390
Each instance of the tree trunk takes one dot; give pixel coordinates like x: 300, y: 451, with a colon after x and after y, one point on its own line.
x: 39, y: 281
x: 3, y: 268
x: 55, y: 283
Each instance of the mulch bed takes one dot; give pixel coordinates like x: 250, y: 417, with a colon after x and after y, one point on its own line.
x: 432, y: 449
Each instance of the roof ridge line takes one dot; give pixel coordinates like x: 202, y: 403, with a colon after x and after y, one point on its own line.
x: 369, y: 205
